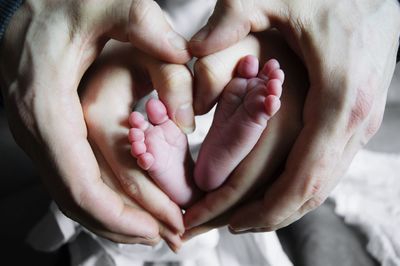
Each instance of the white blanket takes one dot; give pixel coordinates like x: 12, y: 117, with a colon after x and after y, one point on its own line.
x: 369, y: 198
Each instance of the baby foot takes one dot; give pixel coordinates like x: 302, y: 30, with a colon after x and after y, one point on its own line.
x: 246, y: 105
x: 161, y: 148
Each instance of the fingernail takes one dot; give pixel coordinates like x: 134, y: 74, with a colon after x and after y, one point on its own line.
x: 175, y: 247
x: 202, y: 35
x: 177, y: 41
x: 236, y: 230
x: 185, y: 118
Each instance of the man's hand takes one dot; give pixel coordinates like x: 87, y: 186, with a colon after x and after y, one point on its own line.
x: 349, y: 50
x: 47, y: 48
x: 262, y: 165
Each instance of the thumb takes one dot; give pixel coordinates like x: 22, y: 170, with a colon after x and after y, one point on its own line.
x: 230, y: 22
x: 174, y: 85
x: 142, y: 23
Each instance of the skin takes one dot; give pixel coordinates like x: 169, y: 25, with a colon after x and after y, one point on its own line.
x: 264, y: 163
x: 46, y: 50
x: 108, y: 92
x: 245, y: 107
x: 349, y: 50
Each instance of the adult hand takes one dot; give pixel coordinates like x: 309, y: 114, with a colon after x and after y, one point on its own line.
x: 108, y: 92
x: 262, y: 165
x: 349, y: 50
x: 46, y: 49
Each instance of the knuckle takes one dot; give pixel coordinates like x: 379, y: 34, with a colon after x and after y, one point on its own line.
x: 209, y: 205
x: 206, y: 70
x: 312, y: 186
x: 174, y: 77
x: 373, y: 126
x: 232, y: 191
x: 227, y: 196
x: 130, y: 185
x: 269, y: 220
x: 140, y: 11
x: 360, y: 108
x: 148, y: 242
x: 164, y: 212
x: 313, y: 203
x: 82, y: 201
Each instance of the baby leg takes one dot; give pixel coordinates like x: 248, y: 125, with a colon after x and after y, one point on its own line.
x: 241, y: 116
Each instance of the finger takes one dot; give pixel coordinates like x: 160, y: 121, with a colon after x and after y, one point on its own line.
x: 252, y: 211
x: 142, y: 23
x: 301, y: 181
x: 213, y: 224
x: 110, y: 129
x: 172, y: 239
x: 364, y: 133
x: 174, y: 84
x: 212, y: 73
x: 137, y: 225
x: 230, y: 22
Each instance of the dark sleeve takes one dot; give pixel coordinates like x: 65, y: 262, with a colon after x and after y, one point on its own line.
x: 398, y: 55
x: 7, y: 9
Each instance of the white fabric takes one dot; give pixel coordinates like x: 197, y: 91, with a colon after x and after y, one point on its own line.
x: 369, y: 198
x: 215, y: 248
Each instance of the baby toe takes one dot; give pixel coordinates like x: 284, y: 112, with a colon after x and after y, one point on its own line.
x: 136, y: 120
x: 274, y: 87
x: 156, y: 111
x: 135, y: 134
x: 138, y: 148
x: 145, y: 161
x: 272, y: 105
x: 248, y: 67
x: 268, y: 67
x: 277, y: 74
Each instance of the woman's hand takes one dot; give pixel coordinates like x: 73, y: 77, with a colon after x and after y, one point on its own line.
x: 349, y: 49
x: 46, y: 50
